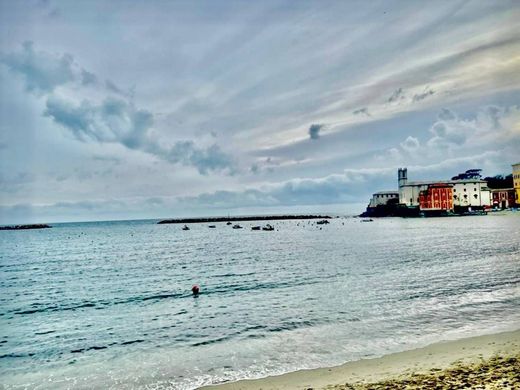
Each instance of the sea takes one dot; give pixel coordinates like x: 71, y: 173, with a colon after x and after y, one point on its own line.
x: 109, y: 304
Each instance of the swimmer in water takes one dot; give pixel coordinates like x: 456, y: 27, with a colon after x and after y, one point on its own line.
x: 195, y: 290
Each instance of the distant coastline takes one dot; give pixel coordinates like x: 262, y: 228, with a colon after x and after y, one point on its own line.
x: 242, y: 219
x: 25, y: 227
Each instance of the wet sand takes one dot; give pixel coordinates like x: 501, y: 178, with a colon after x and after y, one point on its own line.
x: 484, y: 362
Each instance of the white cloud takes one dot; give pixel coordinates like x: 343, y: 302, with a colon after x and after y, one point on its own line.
x: 117, y: 121
x: 42, y: 71
x: 410, y: 144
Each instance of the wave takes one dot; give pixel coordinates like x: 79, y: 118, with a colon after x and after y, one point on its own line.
x: 102, y: 304
x: 98, y: 304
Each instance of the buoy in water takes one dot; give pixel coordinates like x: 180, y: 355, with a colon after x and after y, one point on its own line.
x: 195, y: 290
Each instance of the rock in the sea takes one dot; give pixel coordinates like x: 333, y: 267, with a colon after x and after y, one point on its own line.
x: 25, y: 227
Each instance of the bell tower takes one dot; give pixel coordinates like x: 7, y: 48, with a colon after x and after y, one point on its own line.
x: 402, y: 176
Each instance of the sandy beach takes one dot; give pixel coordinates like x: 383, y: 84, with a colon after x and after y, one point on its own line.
x: 486, y: 362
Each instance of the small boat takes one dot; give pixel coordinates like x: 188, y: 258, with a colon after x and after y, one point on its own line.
x: 185, y: 227
x: 228, y: 223
x: 367, y: 220
x: 268, y: 228
x: 256, y: 228
x: 322, y: 222
x: 212, y: 226
x: 237, y: 227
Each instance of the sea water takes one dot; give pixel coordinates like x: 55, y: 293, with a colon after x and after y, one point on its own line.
x: 108, y: 304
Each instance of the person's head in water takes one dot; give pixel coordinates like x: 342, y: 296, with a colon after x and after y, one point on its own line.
x: 195, y: 290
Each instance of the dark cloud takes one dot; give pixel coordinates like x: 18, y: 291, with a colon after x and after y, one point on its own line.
x: 61, y: 178
x: 204, y: 159
x: 398, y: 94
x: 112, y: 87
x: 363, y: 110
x: 421, y: 96
x: 42, y: 71
x: 114, y: 120
x: 88, y: 78
x: 118, y: 121
x: 446, y: 115
x: 314, y: 130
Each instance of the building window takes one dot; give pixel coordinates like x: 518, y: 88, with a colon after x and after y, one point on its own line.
x: 464, y: 188
x: 454, y: 196
x: 475, y: 196
x: 465, y: 196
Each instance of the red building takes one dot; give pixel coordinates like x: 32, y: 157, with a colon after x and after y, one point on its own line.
x: 503, y: 198
x: 437, y: 197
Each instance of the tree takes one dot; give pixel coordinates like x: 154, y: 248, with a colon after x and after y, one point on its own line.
x: 469, y: 174
x: 500, y: 181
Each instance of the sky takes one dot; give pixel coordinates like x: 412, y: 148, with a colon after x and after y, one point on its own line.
x: 156, y: 109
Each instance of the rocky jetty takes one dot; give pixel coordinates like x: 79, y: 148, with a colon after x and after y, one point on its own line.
x: 25, y: 227
x: 243, y: 219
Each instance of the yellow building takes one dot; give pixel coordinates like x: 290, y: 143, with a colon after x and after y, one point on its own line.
x: 516, y: 181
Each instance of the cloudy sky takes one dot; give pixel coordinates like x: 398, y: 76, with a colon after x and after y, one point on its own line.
x: 150, y: 109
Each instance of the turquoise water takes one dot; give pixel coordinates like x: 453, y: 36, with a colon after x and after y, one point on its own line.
x: 108, y: 304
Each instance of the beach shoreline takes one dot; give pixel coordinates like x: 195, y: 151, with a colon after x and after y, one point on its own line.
x: 469, y: 353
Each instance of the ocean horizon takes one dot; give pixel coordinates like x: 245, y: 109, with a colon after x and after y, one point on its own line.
x: 108, y: 304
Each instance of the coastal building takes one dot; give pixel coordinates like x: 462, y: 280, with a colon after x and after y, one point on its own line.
x: 409, y: 191
x: 383, y: 197
x: 383, y: 204
x: 503, y: 198
x: 516, y: 182
x: 471, y: 194
x: 467, y: 193
x: 437, y: 197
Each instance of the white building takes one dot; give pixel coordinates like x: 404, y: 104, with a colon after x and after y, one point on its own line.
x: 382, y: 198
x: 466, y: 193
x: 471, y: 193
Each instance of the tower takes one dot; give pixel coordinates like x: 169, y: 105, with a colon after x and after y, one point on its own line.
x: 402, y: 176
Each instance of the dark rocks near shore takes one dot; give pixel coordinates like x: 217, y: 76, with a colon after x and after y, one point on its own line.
x: 25, y: 227
x: 322, y: 222
x: 391, y: 210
